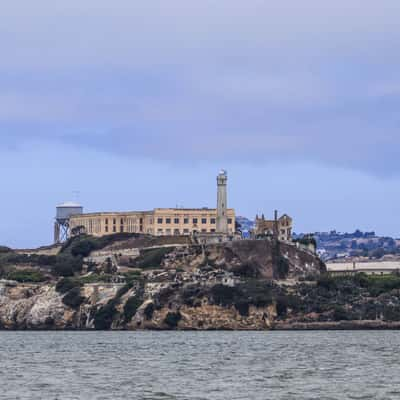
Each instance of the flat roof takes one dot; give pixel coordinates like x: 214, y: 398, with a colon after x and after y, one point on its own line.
x: 110, y: 213
x: 189, y: 209
x: 365, y: 266
x: 122, y: 213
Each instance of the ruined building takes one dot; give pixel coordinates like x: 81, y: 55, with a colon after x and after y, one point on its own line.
x: 279, y: 227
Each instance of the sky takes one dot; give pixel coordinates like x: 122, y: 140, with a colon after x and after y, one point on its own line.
x: 137, y: 105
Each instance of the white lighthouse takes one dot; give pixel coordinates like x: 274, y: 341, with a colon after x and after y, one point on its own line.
x: 222, y: 219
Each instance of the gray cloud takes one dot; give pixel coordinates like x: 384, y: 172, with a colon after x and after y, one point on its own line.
x: 243, y: 81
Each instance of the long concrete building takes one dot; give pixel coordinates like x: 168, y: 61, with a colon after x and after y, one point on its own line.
x: 161, y: 221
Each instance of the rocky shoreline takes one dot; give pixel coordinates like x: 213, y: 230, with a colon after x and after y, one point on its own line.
x: 336, y: 326
x: 139, y: 283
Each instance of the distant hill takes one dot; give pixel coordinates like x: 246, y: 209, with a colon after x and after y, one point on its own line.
x: 245, y: 223
x: 333, y: 245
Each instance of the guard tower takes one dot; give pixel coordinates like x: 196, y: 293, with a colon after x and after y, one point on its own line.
x: 222, y: 219
x: 61, y: 225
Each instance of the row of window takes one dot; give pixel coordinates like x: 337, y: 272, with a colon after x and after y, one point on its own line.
x: 178, y: 232
x: 195, y: 221
x: 121, y: 221
x: 121, y: 229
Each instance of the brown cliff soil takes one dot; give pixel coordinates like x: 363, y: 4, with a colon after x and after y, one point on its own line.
x: 249, y: 284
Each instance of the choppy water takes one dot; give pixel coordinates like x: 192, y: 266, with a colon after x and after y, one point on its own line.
x: 200, y: 365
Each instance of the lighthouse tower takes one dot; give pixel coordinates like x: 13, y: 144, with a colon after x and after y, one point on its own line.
x: 222, y: 219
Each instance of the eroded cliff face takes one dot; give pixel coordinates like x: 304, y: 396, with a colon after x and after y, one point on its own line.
x: 31, y: 306
x: 42, y: 307
x: 234, y: 285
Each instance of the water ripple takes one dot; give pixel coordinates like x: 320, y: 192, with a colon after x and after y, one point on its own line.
x: 200, y: 365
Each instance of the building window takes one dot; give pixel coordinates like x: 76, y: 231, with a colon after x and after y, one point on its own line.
x: 229, y: 220
x: 141, y: 221
x: 176, y: 232
x: 114, y: 221
x: 106, y: 229
x: 167, y: 220
x: 168, y: 231
x: 106, y: 221
x: 160, y: 231
x: 176, y: 220
x: 159, y: 220
x: 195, y: 220
x: 186, y: 220
x: 122, y: 221
x: 186, y: 231
x: 114, y: 228
x: 121, y: 228
x: 204, y: 230
x: 212, y: 230
x: 212, y: 221
x: 204, y: 220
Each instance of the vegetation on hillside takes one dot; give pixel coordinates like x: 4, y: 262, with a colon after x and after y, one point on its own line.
x: 25, y: 276
x: 152, y: 258
x: 358, y: 297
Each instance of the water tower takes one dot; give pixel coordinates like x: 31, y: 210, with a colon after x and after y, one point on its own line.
x: 63, y: 215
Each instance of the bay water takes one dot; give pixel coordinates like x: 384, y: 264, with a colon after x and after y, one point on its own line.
x: 200, y: 365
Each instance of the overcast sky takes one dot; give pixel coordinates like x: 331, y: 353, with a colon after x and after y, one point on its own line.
x: 139, y: 105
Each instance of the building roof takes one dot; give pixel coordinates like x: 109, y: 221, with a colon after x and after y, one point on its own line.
x: 364, y: 266
x: 110, y: 213
x: 69, y: 204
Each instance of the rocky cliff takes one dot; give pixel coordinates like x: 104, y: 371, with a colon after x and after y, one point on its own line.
x: 144, y: 282
x: 151, y: 283
x: 235, y: 285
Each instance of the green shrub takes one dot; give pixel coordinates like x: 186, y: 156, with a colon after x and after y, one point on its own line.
x: 104, y: 316
x: 26, y: 275
x: 340, y: 314
x: 124, y: 289
x: 96, y: 243
x: 73, y: 298
x: 251, y: 292
x: 172, y: 319
x: 247, y: 270
x: 5, y: 249
x: 44, y: 260
x: 66, y: 284
x: 242, y: 307
x: 95, y: 278
x: 152, y: 258
x: 131, y: 306
x: 377, y: 285
x: 83, y: 248
x: 132, y: 276
x: 225, y: 295
x: 67, y: 265
x: 282, y: 304
x: 391, y: 313
x: 191, y: 295
x: 327, y: 282
x: 149, y: 311
x: 257, y: 293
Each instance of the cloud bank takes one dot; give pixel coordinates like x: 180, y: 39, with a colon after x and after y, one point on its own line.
x: 227, y: 81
